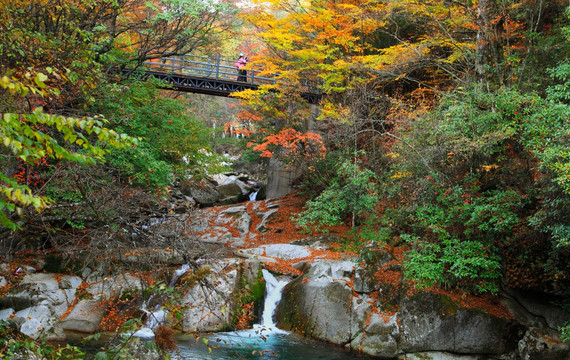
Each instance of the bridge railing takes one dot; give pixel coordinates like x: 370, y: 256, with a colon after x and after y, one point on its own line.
x: 218, y: 69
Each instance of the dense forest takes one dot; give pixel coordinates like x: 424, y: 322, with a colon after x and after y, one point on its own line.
x: 443, y: 126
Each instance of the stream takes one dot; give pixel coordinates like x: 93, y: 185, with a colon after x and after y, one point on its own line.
x: 264, y: 341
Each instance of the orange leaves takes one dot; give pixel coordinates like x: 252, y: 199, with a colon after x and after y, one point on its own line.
x: 245, y: 316
x: 292, y: 143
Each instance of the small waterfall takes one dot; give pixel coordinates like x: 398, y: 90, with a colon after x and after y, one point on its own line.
x: 157, y: 317
x: 253, y: 196
x: 178, y: 273
x: 153, y: 319
x: 273, y: 296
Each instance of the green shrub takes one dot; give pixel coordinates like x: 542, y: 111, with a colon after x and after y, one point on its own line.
x: 352, y: 192
x: 172, y: 140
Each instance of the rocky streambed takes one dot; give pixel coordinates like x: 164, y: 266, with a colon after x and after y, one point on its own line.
x: 358, y: 301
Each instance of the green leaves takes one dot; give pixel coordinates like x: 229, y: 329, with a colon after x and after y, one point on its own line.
x: 452, y: 263
x: 24, y: 136
x: 351, y: 192
x: 168, y: 134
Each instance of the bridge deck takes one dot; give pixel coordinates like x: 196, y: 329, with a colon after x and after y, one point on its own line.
x: 217, y: 76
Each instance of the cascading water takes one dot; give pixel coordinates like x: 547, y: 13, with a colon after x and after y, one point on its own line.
x: 264, y: 341
x: 273, y: 288
x: 178, y: 273
x: 253, y: 195
x: 157, y: 316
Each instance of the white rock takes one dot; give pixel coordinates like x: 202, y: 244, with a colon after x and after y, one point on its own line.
x: 6, y: 313
x: 35, y: 312
x: 33, y: 328
x: 281, y: 251
x: 115, y: 286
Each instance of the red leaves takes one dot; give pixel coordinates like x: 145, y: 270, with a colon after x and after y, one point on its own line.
x: 292, y: 143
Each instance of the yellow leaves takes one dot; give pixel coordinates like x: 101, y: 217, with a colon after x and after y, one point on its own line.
x: 489, y: 168
x: 23, y: 197
x: 401, y: 174
x: 334, y: 111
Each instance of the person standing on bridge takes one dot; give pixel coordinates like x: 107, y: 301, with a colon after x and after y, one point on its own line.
x: 240, y: 64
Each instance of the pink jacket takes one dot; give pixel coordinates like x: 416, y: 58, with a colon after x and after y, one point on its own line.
x: 241, y: 62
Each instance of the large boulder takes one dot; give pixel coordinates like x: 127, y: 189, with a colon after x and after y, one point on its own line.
x: 432, y: 322
x: 319, y: 304
x: 380, y: 337
x: 85, y: 317
x: 279, y: 251
x: 204, y: 193
x: 54, y: 290
x: 373, y: 259
x: 208, y: 298
x: 232, y: 186
x: 543, y: 344
x: 113, y: 287
x: 39, y: 321
x: 215, y: 292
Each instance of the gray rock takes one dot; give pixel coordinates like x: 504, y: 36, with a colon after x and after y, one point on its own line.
x: 38, y: 312
x: 39, y: 321
x: 360, y: 313
x: 85, y: 317
x: 220, y: 178
x: 375, y: 258
x: 433, y: 355
x: 243, y: 224
x: 318, y: 242
x: 205, y: 193
x: 53, y: 290
x: 302, y: 266
x: 17, y: 301
x: 541, y: 308
x: 115, y: 286
x: 3, y: 281
x: 247, y: 254
x: 234, y: 210
x: 265, y: 216
x: 229, y: 189
x: 32, y: 328
x: 332, y: 269
x: 380, y: 338
x: 40, y: 282
x: 319, y: 307
x: 208, y: 302
x: 251, y: 270
x: 49, y: 329
x: 144, y: 256
x: 543, y: 344
x: 234, y: 185
x: 228, y: 200
x: 364, y: 281
x: 283, y: 251
x: 431, y: 322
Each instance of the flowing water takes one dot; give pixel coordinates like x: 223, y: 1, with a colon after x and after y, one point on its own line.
x: 264, y: 341
x: 253, y: 196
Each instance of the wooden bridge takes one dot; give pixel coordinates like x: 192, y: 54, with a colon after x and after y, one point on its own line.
x: 213, y: 76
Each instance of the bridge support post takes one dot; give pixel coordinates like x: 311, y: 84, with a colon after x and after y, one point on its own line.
x: 279, y: 179
x: 218, y: 67
x: 310, y: 122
